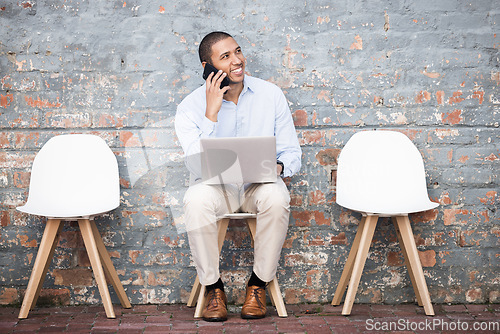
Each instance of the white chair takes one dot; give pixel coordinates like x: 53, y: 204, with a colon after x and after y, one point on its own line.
x: 197, y: 296
x: 73, y: 177
x: 381, y: 174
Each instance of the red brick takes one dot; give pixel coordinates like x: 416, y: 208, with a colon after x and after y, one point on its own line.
x: 490, y: 198
x: 25, y: 242
x: 9, y: 296
x: 427, y: 258
x: 21, y: 179
x: 456, y: 98
x: 54, y: 297
x: 440, y: 97
x: 6, y: 100
x: 73, y: 277
x: 474, y: 295
x: 4, y: 140
x: 452, y: 118
x: 16, y: 160
x: 291, y: 237
x: 395, y: 259
x: 296, y: 200
x: 26, y: 140
x: 4, y: 218
x: 424, y: 216
x: 317, y: 197
x: 293, y: 296
x: 300, y: 118
x: 310, y: 137
x: 305, y: 218
x: 339, y: 239
x: 453, y: 216
x: 67, y: 120
x: 42, y: 103
x: 423, y: 96
x: 328, y: 156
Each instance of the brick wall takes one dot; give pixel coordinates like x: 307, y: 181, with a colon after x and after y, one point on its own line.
x: 118, y: 69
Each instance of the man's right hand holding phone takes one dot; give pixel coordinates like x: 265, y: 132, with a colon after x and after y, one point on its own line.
x: 215, y: 94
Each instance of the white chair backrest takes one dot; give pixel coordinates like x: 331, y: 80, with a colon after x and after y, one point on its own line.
x: 382, y: 172
x: 73, y: 175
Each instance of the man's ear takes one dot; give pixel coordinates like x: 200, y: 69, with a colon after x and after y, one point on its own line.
x: 203, y: 63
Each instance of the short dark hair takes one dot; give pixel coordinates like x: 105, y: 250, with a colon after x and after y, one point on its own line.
x: 205, y: 49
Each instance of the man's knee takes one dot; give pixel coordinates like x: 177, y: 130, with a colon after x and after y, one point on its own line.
x: 274, y: 196
x: 200, y: 196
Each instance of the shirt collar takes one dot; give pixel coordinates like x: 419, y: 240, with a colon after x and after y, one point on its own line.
x: 247, y: 86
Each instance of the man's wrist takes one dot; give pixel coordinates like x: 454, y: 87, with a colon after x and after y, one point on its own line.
x: 211, y: 116
x: 282, y: 167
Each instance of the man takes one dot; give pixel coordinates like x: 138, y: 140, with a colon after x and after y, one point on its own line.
x: 247, y: 107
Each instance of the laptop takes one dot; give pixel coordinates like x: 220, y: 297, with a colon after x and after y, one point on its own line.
x: 238, y: 160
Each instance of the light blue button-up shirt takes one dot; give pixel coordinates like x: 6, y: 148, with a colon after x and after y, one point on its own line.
x: 262, y: 110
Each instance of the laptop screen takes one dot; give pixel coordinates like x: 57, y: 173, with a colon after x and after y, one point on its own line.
x: 238, y: 160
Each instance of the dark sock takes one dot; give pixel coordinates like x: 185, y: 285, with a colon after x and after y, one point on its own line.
x: 254, y: 280
x: 216, y: 285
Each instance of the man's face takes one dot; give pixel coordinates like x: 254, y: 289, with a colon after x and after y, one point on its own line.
x: 227, y: 56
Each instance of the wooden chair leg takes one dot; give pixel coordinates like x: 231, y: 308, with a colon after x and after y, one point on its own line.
x: 108, y: 267
x: 414, y: 262
x: 252, y: 227
x: 407, y: 264
x: 95, y: 261
x: 359, y: 262
x: 42, y: 262
x: 200, y: 303
x: 271, y: 294
x: 277, y: 298
x: 222, y: 228
x: 197, y: 295
x: 346, y: 273
x: 195, y: 292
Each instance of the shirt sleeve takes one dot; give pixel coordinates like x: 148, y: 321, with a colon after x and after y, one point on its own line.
x: 288, y: 150
x: 190, y: 126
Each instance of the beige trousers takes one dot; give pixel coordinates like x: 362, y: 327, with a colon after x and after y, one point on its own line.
x: 204, y: 204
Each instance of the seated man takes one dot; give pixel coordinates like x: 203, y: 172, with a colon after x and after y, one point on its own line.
x: 247, y: 107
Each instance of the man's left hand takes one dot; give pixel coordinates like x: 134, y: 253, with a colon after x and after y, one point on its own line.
x: 279, y: 169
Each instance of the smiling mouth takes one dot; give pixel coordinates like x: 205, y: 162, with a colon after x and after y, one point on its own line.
x: 237, y: 71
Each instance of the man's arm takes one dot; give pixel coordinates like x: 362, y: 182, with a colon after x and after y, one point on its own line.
x: 214, y: 95
x: 190, y: 125
x: 287, y: 144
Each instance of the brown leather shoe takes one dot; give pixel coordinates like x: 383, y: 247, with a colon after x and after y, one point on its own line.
x: 215, y: 306
x: 255, y: 303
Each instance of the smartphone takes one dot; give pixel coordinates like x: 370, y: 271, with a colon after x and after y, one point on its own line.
x: 209, y: 68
